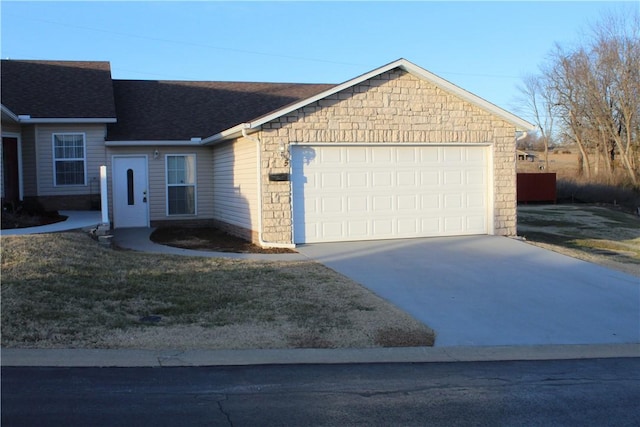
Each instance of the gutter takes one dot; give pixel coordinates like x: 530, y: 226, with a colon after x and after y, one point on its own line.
x: 27, y: 119
x: 259, y: 148
x: 219, y: 137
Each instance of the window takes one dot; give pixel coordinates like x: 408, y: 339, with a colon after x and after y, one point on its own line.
x: 69, y: 159
x: 181, y: 184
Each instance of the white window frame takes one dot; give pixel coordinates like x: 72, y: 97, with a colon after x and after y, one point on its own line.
x: 194, y: 184
x: 56, y: 160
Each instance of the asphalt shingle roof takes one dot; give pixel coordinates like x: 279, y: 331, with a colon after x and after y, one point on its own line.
x: 57, y: 89
x: 144, y: 109
x: 180, y: 110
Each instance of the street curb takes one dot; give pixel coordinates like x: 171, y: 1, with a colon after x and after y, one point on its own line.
x: 177, y: 358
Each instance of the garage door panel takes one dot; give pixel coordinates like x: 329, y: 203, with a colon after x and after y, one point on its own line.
x: 382, y: 204
x: 430, y: 201
x: 357, y: 155
x: 331, y: 205
x: 383, y: 227
x: 476, y: 156
x: 382, y: 179
x: 476, y: 201
x: 331, y: 155
x: 453, y: 177
x: 430, y: 178
x: 358, y: 229
x: 452, y: 155
x: 331, y: 180
x: 382, y: 155
x: 358, y: 204
x: 332, y: 229
x: 406, y: 179
x: 407, y: 203
x: 431, y: 226
x: 380, y: 192
x: 475, y: 224
x: 453, y: 201
x: 358, y: 179
x: 453, y: 224
x: 430, y: 154
x: 408, y: 227
x: 311, y: 206
x: 406, y: 155
x: 475, y: 177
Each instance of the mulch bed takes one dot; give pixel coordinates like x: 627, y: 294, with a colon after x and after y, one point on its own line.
x: 12, y: 220
x: 208, y: 239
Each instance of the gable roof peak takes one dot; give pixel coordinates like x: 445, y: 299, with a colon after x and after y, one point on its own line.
x: 402, y: 63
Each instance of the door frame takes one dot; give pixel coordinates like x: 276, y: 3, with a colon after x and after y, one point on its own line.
x: 18, y: 138
x: 114, y: 193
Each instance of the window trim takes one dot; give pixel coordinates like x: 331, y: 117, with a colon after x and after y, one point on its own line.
x: 55, y: 160
x: 194, y: 184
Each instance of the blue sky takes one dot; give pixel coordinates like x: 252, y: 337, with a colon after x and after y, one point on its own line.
x: 484, y: 47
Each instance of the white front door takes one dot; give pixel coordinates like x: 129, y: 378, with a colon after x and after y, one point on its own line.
x: 130, y: 192
x: 387, y: 192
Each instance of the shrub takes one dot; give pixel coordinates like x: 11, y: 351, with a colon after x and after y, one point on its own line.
x: 582, y: 191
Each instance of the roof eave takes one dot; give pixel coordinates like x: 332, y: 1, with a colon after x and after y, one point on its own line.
x: 152, y: 143
x: 9, y: 115
x: 233, y: 132
x: 66, y: 120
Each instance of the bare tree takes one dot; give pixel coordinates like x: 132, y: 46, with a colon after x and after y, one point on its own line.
x: 564, y: 78
x: 593, y: 92
x: 539, y: 101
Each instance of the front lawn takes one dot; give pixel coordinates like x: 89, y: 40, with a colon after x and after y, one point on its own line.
x: 65, y: 291
x: 598, y: 234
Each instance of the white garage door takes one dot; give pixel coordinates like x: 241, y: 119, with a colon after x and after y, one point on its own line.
x: 369, y: 192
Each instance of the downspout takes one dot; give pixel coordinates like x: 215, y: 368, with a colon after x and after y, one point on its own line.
x: 260, y: 240
x: 523, y: 136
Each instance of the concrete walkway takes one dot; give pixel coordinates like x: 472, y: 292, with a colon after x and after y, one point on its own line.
x: 75, y: 220
x: 137, y: 239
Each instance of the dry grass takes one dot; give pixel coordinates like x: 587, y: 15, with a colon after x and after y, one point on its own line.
x: 597, y: 234
x: 65, y: 291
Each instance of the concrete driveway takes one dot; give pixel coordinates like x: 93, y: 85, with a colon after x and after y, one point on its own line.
x: 492, y: 291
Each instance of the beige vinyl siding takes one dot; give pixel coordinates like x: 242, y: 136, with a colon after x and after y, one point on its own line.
x: 157, y: 192
x: 95, y: 156
x: 235, y: 183
x: 10, y: 128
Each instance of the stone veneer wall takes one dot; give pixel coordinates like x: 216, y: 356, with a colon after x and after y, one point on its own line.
x: 394, y: 107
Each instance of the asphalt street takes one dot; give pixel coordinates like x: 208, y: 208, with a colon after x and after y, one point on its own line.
x: 568, y: 392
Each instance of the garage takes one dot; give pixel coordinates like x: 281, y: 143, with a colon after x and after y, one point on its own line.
x: 348, y: 192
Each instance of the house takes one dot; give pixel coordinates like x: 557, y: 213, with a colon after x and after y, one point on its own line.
x: 524, y: 155
x: 397, y: 152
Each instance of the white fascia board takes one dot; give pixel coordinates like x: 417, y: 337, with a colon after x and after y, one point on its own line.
x: 9, y: 114
x: 520, y: 124
x: 233, y: 132
x: 288, y: 109
x: 162, y: 143
x: 68, y: 120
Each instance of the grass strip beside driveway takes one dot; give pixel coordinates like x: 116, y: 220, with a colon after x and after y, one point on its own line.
x: 593, y: 233
x: 65, y: 291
